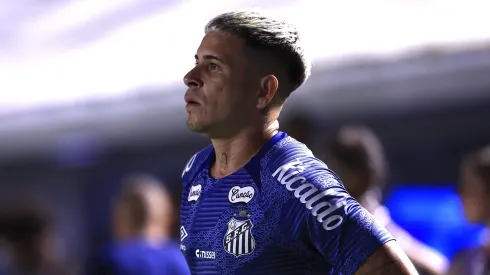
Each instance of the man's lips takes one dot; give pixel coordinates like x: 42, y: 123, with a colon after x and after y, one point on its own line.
x: 191, y: 101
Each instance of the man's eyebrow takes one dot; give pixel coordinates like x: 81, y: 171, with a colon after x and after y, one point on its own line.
x: 209, y: 57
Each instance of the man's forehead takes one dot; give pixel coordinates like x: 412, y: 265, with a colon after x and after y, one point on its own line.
x: 224, y: 47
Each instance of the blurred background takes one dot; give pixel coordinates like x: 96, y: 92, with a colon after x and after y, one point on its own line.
x: 91, y: 91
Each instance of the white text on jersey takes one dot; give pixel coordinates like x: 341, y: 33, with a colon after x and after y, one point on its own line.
x: 288, y: 176
x: 205, y: 254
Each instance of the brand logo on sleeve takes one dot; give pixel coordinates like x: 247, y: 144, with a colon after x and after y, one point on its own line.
x: 183, y: 233
x: 239, y: 194
x: 194, y: 193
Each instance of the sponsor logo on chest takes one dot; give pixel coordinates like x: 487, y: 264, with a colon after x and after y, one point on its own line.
x: 201, y: 254
x: 194, y: 193
x: 239, y: 194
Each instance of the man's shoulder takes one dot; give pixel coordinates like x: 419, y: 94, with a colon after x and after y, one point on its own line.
x: 291, y: 154
x: 285, y: 149
x: 311, y: 186
x: 195, y: 163
x: 292, y: 164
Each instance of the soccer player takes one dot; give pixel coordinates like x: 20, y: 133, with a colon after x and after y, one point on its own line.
x: 257, y: 201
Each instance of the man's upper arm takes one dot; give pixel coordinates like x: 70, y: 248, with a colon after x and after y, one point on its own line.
x: 387, y: 260
x: 332, y: 222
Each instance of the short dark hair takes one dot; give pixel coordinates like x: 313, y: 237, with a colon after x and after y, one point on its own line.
x: 358, y: 148
x: 479, y: 162
x: 267, y: 33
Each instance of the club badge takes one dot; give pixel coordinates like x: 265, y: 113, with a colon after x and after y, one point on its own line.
x: 238, y: 238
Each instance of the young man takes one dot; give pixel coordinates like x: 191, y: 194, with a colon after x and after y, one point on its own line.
x: 256, y: 201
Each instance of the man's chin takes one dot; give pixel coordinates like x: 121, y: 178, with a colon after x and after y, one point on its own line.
x: 196, y: 128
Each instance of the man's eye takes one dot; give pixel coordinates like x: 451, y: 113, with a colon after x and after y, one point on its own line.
x: 213, y: 67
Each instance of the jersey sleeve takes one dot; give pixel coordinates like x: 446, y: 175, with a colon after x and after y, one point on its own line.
x: 320, y: 213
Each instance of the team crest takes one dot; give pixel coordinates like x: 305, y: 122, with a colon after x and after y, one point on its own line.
x: 238, y: 238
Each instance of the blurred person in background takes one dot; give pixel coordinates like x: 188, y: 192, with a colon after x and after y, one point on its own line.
x: 30, y: 244
x: 357, y: 156
x: 474, y: 189
x: 257, y: 201
x: 142, y: 223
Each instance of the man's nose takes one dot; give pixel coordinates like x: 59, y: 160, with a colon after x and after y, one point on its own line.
x: 192, y: 78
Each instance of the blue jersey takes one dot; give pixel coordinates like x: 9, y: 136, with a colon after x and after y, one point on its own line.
x: 285, y: 212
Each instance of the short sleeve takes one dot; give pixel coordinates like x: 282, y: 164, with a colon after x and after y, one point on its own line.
x: 322, y: 214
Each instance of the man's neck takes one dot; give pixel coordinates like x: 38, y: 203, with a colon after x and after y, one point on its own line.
x: 235, y: 152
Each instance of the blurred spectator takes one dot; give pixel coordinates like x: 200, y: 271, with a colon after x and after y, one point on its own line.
x: 474, y: 190
x: 142, y: 223
x: 31, y: 247
x: 357, y: 156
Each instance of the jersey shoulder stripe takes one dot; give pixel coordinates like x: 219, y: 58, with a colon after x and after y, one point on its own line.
x: 195, y: 164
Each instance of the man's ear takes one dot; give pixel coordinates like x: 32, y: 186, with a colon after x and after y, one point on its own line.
x: 267, y: 90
